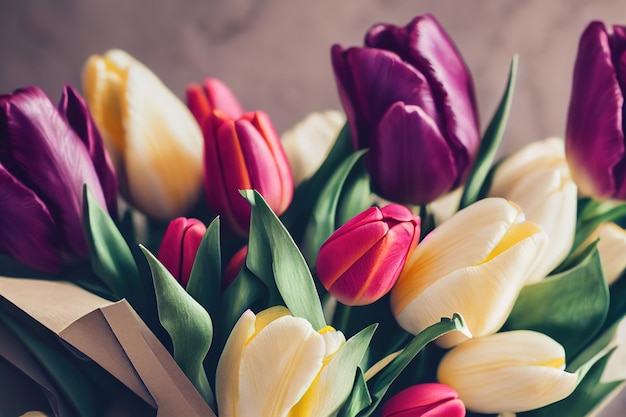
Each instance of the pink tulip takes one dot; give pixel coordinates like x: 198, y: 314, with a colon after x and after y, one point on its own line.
x: 425, y: 400
x: 179, y: 247
x: 212, y: 95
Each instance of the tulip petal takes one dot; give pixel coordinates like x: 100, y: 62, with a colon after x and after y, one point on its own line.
x: 74, y: 108
x: 212, y: 95
x: 278, y: 366
x: 508, y: 372
x: 28, y: 231
x: 163, y: 150
x: 424, y: 400
x: 228, y: 371
x: 611, y: 247
x: 50, y: 159
x: 345, y: 87
x: 594, y: 122
x: 409, y: 160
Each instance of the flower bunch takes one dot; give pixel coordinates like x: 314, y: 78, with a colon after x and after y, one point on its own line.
x: 308, y: 274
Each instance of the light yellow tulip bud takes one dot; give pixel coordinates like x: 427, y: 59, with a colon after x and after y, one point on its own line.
x: 474, y: 264
x: 537, y: 179
x: 153, y: 139
x: 308, y: 143
x: 612, y: 249
x: 508, y: 372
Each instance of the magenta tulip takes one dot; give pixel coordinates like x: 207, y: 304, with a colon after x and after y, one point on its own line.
x: 179, y: 247
x: 361, y: 261
x: 47, y: 156
x: 212, y: 95
x: 595, y: 147
x: 425, y: 400
x: 241, y: 154
x: 409, y: 98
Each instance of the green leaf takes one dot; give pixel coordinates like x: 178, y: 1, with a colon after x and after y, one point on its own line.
x: 297, y: 215
x: 569, y: 307
x: 359, y: 398
x: 380, y: 383
x: 324, y: 219
x: 490, y: 142
x: 188, y: 324
x: 205, y: 280
x: 593, y: 215
x: 271, y: 248
x: 111, y: 258
x: 588, y: 394
x: 243, y: 293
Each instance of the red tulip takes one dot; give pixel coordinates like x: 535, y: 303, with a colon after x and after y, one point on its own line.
x: 234, y: 266
x: 179, y: 247
x: 362, y: 260
x: 212, y: 95
x: 425, y: 400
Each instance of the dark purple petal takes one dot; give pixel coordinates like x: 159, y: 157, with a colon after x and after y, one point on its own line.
x: 617, y: 42
x: 50, y: 159
x: 594, y: 137
x: 409, y: 161
x: 27, y: 230
x: 381, y: 79
x: 388, y: 37
x: 345, y: 87
x: 74, y: 108
x: 434, y: 54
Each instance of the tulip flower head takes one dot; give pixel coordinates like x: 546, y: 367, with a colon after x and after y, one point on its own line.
x: 242, y: 154
x: 537, y: 179
x: 425, y: 400
x: 212, y: 95
x: 179, y: 246
x: 46, y: 158
x: 474, y: 264
x: 362, y: 260
x: 611, y: 248
x: 596, y: 151
x: 507, y: 372
x: 409, y: 98
x: 275, y: 364
x: 153, y: 139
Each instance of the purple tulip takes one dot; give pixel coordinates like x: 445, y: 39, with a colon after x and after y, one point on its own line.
x: 594, y: 143
x: 409, y: 98
x: 46, y: 157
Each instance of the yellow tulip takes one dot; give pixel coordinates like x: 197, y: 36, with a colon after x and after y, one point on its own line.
x: 277, y: 365
x: 507, y: 372
x: 538, y: 179
x: 611, y: 247
x: 308, y: 143
x: 474, y: 264
x: 153, y: 139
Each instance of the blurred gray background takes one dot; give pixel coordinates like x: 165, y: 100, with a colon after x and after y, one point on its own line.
x: 275, y: 53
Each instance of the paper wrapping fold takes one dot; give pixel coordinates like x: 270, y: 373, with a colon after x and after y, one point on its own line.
x: 112, y: 335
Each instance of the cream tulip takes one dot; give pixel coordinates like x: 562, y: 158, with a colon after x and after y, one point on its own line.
x: 537, y: 179
x: 308, y: 143
x: 507, y: 372
x: 612, y: 249
x: 474, y: 264
x: 277, y: 365
x: 153, y: 139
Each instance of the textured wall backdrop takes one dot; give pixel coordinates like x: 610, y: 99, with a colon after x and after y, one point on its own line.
x: 275, y: 54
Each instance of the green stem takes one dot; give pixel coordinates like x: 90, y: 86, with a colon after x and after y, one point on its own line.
x: 341, y: 317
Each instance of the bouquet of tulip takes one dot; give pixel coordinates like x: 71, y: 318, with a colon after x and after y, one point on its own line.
x: 167, y: 259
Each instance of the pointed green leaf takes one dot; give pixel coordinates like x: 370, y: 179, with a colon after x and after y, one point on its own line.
x: 243, y: 293
x: 490, y: 142
x: 593, y: 215
x: 111, y: 258
x: 359, y: 398
x: 324, y: 219
x: 380, y: 383
x: 281, y: 255
x: 205, y: 280
x: 188, y: 324
x: 569, y: 307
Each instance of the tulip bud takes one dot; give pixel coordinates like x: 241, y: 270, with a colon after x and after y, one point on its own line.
x: 612, y: 249
x: 234, y: 266
x: 153, y: 139
x: 409, y: 98
x: 362, y: 260
x: 427, y: 400
x: 507, y: 372
x: 276, y: 364
x: 212, y: 95
x: 474, y: 264
x: 179, y: 246
x: 44, y: 166
x: 595, y: 146
x: 308, y: 143
x: 244, y: 154
x: 538, y: 180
